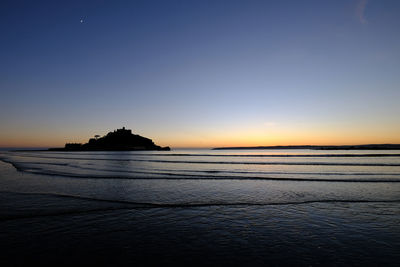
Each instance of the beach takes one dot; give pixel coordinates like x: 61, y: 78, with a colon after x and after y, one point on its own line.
x: 210, y: 133
x: 152, y: 209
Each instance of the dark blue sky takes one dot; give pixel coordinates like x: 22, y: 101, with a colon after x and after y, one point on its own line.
x: 200, y: 73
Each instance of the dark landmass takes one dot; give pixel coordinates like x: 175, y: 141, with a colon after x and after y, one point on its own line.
x: 351, y: 147
x: 118, y: 140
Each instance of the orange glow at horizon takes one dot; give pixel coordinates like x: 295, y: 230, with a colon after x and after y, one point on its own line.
x: 209, y: 143
x: 228, y: 137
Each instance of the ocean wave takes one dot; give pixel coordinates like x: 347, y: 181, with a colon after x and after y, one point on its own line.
x: 210, y: 203
x: 172, y: 176
x: 205, y: 172
x: 168, y: 175
x: 307, y: 163
x: 220, y: 155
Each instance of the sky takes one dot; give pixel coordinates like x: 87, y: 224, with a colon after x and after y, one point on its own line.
x: 200, y: 73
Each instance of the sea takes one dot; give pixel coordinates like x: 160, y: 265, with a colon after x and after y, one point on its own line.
x: 200, y: 206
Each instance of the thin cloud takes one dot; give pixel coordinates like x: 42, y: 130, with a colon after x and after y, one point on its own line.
x: 360, y: 11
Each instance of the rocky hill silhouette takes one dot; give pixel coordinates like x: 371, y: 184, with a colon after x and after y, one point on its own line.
x: 120, y: 139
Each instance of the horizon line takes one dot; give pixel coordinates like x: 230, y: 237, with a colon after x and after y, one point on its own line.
x: 231, y: 147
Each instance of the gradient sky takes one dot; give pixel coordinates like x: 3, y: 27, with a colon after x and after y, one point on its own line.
x: 200, y: 73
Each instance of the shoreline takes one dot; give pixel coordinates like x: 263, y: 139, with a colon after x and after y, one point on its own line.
x: 315, y: 147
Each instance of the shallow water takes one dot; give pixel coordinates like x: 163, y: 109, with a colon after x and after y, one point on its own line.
x: 278, y: 207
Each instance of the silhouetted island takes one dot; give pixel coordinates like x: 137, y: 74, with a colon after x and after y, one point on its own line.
x: 347, y: 147
x: 120, y: 139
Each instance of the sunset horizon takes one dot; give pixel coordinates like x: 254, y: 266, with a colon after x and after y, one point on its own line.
x: 200, y: 133
x: 233, y: 139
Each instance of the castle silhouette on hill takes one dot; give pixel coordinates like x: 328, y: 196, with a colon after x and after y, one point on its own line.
x: 120, y: 139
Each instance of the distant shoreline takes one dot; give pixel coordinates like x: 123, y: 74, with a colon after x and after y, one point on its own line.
x: 313, y: 147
